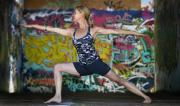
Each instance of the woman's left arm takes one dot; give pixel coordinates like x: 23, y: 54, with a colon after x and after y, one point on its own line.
x: 101, y: 30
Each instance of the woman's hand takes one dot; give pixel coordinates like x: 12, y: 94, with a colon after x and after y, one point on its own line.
x: 64, y: 32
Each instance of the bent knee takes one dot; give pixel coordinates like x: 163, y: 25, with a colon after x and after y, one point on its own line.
x: 58, y: 68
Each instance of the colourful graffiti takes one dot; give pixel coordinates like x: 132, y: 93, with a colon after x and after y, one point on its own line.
x: 131, y: 57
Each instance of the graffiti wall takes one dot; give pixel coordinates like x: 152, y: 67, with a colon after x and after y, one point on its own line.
x: 130, y: 56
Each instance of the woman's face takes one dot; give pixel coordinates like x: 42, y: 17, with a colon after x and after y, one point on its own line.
x: 77, y: 15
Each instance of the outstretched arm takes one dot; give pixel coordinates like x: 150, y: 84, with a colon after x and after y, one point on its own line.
x: 101, y: 30
x: 64, y: 32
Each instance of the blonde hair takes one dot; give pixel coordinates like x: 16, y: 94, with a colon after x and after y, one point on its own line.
x: 87, y: 14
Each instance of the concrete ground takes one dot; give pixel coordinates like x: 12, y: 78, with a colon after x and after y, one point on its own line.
x: 89, y: 99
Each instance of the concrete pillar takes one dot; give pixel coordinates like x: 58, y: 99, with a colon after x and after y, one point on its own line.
x: 10, y: 45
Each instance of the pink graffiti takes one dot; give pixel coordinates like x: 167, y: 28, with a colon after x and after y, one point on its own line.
x: 124, y: 46
x: 51, y: 20
x: 146, y: 13
x: 101, y: 20
x: 101, y: 81
x: 118, y: 43
x: 148, y: 41
x: 55, y: 18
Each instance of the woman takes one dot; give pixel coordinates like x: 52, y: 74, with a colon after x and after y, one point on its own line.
x: 89, y: 60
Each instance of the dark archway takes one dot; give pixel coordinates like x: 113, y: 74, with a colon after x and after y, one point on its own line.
x: 167, y: 31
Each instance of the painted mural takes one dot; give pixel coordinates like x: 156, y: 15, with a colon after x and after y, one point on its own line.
x: 131, y: 57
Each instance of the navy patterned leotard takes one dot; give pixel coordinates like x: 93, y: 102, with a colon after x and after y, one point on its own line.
x: 85, y: 48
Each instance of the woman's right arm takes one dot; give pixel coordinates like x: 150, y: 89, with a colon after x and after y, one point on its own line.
x: 64, y: 32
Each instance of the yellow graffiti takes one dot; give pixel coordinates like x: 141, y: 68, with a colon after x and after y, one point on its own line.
x: 104, y: 49
x: 51, y: 49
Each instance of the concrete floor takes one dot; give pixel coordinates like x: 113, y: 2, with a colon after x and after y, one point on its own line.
x: 89, y: 99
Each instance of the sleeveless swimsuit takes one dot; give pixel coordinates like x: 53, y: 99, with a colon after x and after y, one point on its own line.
x: 89, y: 60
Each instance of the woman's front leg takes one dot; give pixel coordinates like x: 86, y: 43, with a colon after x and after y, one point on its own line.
x: 58, y: 69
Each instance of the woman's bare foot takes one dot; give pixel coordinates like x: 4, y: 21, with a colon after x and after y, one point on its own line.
x: 54, y: 99
x: 147, y: 100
